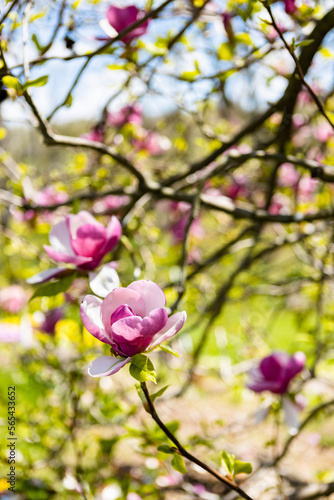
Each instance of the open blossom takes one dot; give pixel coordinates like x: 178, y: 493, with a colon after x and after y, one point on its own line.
x: 131, y: 320
x: 13, y: 299
x: 131, y: 113
x: 275, y: 372
x: 120, y: 18
x: 83, y: 241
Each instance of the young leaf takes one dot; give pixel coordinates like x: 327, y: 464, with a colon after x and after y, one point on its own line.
x: 178, y: 463
x: 169, y: 350
x: 158, y: 393
x: 142, y: 369
x: 141, y: 394
x: 50, y: 289
x: 39, y: 82
x: 11, y: 82
x: 228, y: 461
x: 242, y: 467
x: 164, y: 448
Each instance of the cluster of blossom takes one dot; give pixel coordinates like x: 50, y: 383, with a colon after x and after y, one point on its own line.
x: 130, y: 320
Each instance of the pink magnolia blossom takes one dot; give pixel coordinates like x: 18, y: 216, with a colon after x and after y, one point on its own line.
x: 13, y: 299
x: 275, y: 372
x: 131, y: 113
x: 96, y: 134
x: 111, y: 202
x: 131, y: 320
x: 288, y: 176
x: 323, y: 132
x: 306, y: 188
x: 121, y: 18
x: 81, y: 240
x: 50, y: 320
x: 290, y: 6
x: 153, y: 143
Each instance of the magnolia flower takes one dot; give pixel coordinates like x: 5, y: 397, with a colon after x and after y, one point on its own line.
x: 131, y: 320
x: 13, y: 299
x: 153, y: 143
x: 50, y: 320
x: 120, y: 18
x: 275, y: 372
x: 131, y: 113
x: 290, y: 6
x: 81, y: 240
x: 96, y: 134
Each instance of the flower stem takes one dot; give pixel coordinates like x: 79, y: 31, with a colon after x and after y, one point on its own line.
x: 150, y: 408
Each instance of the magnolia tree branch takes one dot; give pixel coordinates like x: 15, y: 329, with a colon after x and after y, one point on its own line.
x: 298, y: 67
x: 150, y: 408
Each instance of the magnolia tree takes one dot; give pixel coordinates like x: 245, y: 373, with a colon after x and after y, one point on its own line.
x: 185, y: 189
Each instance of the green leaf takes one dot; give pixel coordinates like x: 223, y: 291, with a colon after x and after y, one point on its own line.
x: 242, y: 467
x: 164, y: 448
x: 36, y: 42
x: 50, y: 289
x: 39, y: 82
x: 228, y: 460
x: 178, y: 463
x: 225, y: 51
x: 142, y: 369
x: 11, y: 82
x: 158, y: 393
x: 169, y: 350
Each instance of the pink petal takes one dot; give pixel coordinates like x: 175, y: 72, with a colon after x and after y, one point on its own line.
x: 121, y: 313
x: 173, y: 326
x: 80, y: 219
x: 114, y: 231
x: 106, y: 365
x: 90, y: 311
x: 119, y: 297
x: 67, y: 258
x: 133, y: 334
x: 89, y: 240
x: 121, y: 18
x: 152, y: 294
x: 60, y: 239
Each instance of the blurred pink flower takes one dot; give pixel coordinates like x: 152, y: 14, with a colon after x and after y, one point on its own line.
x: 51, y: 318
x: 288, y: 176
x: 323, y: 132
x: 275, y: 372
x: 121, y: 18
x: 96, y: 134
x: 306, y: 188
x: 83, y: 241
x: 111, y: 202
x: 279, y: 204
x: 290, y: 6
x: 237, y: 188
x: 13, y: 299
x: 152, y: 142
x: 131, y: 320
x: 10, y: 332
x: 131, y: 113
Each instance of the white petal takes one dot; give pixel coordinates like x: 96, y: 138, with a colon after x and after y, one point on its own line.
x: 60, y: 239
x: 45, y: 275
x: 106, y: 365
x: 291, y: 415
x: 104, y: 281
